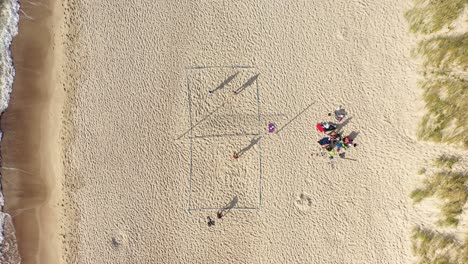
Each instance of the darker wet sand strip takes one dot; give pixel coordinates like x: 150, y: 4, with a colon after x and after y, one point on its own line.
x: 30, y: 143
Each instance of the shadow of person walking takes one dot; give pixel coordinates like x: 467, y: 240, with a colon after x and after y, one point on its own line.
x: 221, y: 213
x: 252, y: 143
x: 247, y: 84
x: 228, y: 80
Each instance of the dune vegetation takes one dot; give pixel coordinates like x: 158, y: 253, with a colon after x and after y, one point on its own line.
x: 443, y: 53
x: 444, y: 57
x: 436, y: 247
x: 430, y: 16
x: 450, y: 187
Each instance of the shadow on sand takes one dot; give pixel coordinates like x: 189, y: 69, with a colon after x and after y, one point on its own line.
x: 228, y: 207
x: 247, y: 84
x: 228, y: 80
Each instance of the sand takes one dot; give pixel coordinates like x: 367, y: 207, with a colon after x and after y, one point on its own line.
x: 31, y: 148
x: 148, y: 149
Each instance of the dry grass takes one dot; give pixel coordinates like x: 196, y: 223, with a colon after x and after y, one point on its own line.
x: 446, y: 161
x: 447, y: 104
x: 451, y: 188
x: 434, y: 247
x: 444, y: 51
x: 429, y: 16
x: 445, y: 95
x: 446, y: 98
x: 422, y: 171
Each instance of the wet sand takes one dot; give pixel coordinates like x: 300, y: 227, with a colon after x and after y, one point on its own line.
x: 30, y: 147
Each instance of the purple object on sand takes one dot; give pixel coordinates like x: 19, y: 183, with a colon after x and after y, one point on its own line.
x: 271, y: 127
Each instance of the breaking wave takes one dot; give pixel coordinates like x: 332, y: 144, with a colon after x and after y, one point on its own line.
x: 8, y: 29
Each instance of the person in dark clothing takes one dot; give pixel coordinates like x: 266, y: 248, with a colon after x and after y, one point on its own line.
x: 211, y: 222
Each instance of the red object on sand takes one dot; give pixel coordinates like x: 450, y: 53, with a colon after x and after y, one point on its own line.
x: 320, y: 128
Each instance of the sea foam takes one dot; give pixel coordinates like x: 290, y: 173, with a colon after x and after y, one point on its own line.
x: 9, y: 18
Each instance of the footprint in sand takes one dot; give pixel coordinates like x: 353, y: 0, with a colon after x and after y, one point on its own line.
x: 118, y: 239
x: 303, y: 202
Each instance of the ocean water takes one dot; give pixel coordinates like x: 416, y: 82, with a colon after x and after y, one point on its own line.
x: 8, y: 29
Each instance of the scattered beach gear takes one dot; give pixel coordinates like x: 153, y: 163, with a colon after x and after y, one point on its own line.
x: 339, y: 146
x: 334, y: 144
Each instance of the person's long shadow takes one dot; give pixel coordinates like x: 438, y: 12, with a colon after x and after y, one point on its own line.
x: 353, y: 135
x: 223, y: 84
x: 253, y: 141
x: 247, y: 84
x: 341, y: 126
x: 228, y: 207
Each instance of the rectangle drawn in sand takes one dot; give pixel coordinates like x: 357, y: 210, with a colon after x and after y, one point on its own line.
x: 224, y: 118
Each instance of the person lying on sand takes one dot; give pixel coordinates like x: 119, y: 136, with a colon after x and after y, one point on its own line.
x: 325, y: 127
x: 324, y: 142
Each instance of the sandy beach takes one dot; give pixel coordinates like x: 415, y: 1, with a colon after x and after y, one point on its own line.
x: 122, y: 137
x: 31, y: 147
x: 145, y: 181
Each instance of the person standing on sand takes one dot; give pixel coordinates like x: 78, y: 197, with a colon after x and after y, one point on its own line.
x: 219, y: 214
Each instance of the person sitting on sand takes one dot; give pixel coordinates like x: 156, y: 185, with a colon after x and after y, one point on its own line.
x: 348, y: 141
x: 335, y: 137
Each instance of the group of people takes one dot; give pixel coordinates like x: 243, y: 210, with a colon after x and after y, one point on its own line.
x: 333, y: 142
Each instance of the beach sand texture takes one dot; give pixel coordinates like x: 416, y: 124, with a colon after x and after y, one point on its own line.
x: 144, y: 181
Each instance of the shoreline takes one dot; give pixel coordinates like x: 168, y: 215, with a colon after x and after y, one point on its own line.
x: 31, y: 125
